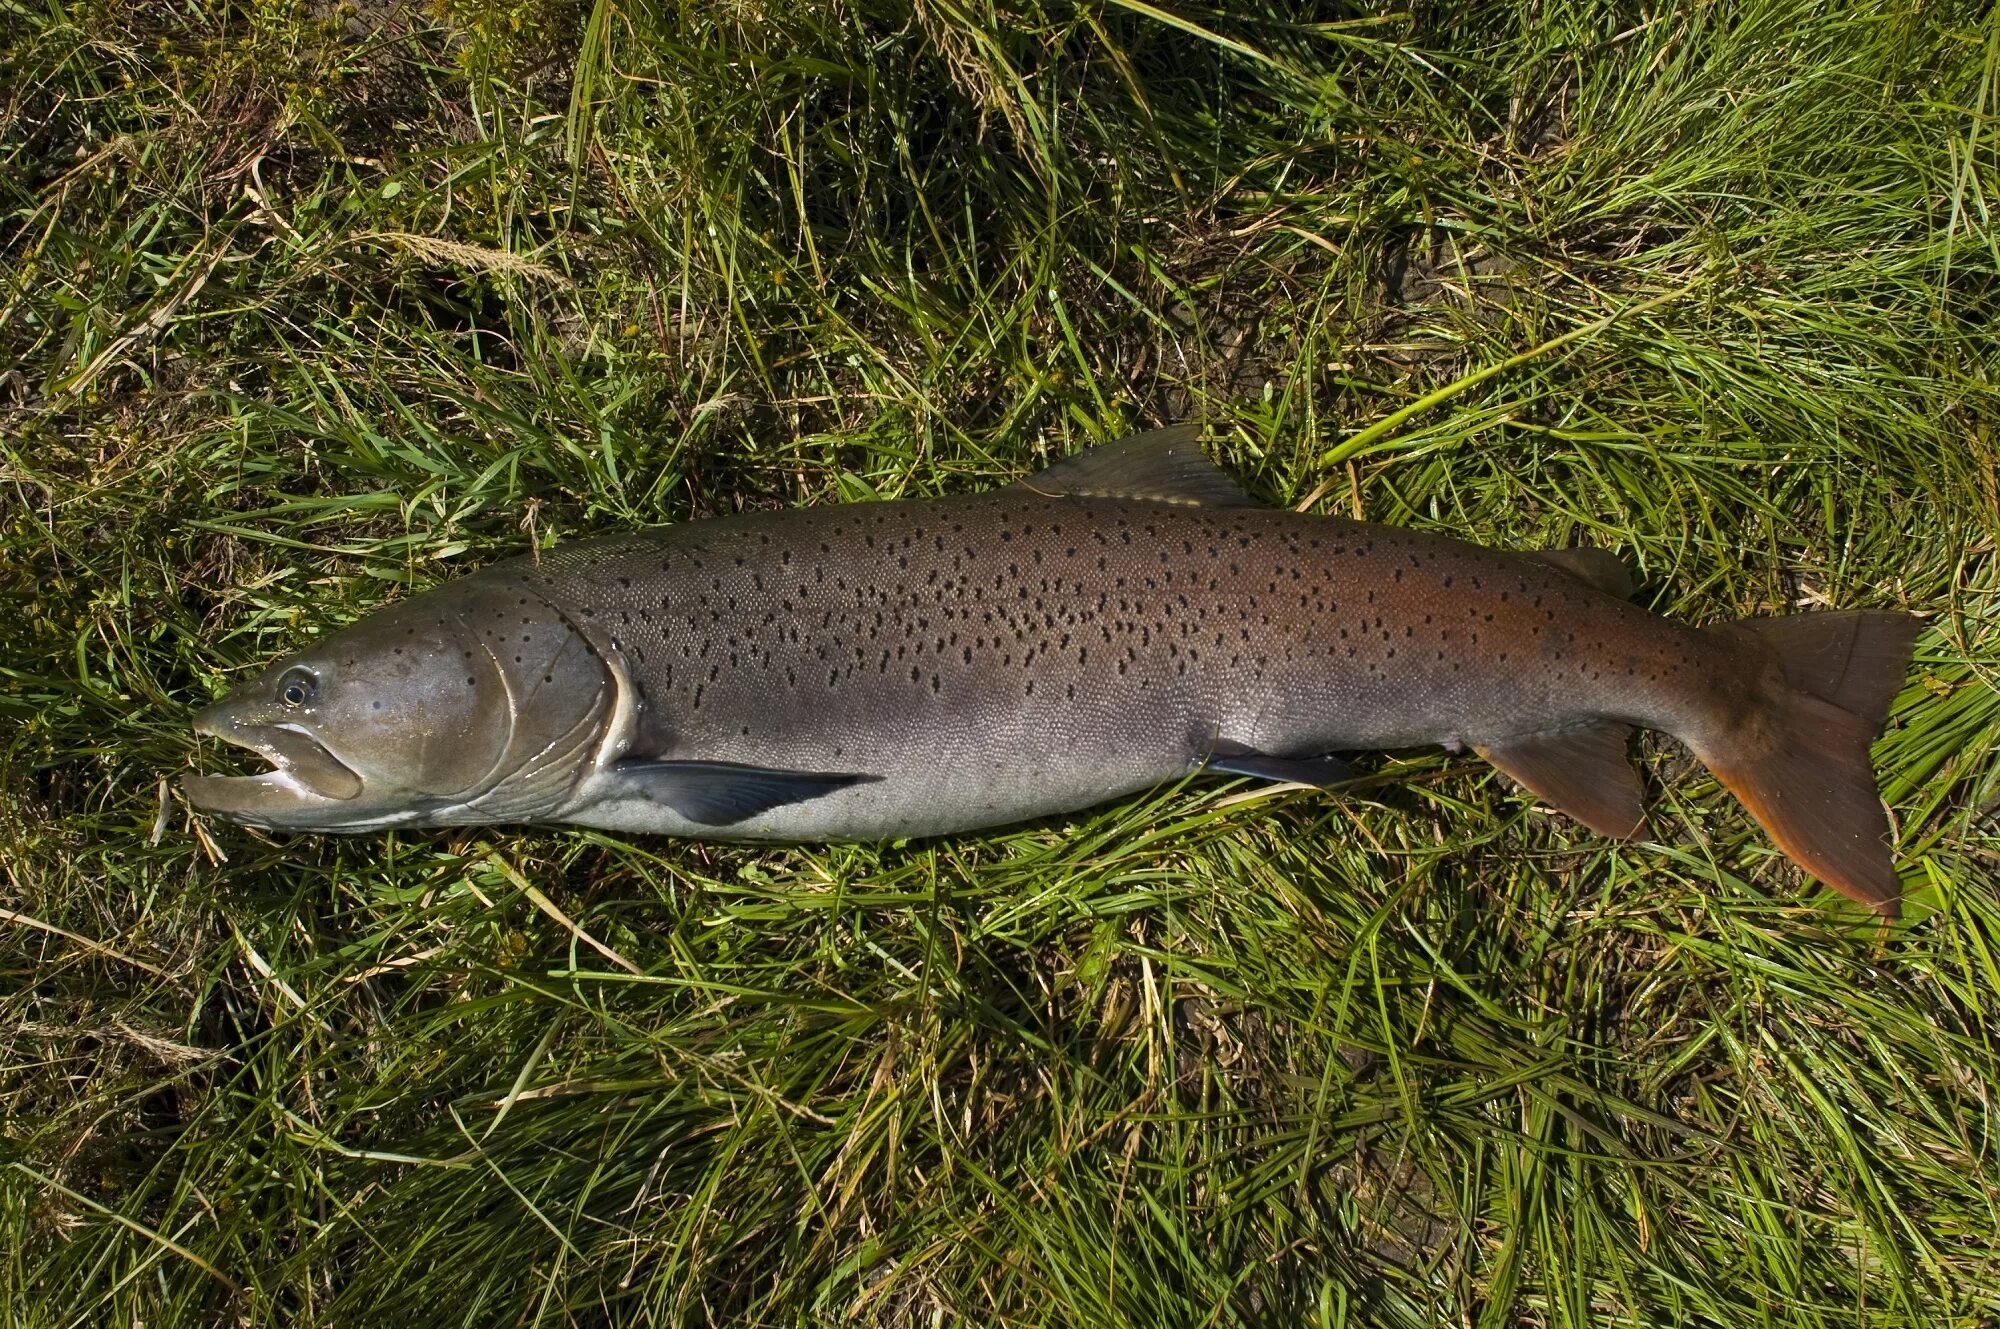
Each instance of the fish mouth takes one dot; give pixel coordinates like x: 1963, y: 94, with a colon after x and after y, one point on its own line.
x: 305, y: 775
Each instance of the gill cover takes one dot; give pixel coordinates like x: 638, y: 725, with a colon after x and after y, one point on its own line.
x: 474, y: 702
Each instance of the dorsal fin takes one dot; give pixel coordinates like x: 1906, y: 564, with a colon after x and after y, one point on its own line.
x: 1161, y: 465
x: 1595, y: 567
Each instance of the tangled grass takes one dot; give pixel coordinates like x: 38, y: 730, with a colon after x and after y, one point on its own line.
x: 301, y: 307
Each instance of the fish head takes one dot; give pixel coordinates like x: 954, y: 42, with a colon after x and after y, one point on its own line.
x: 409, y: 717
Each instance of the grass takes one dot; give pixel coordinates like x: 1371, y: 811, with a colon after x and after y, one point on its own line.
x: 304, y: 307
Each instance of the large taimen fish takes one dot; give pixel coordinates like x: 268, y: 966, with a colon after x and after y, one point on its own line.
x: 1117, y: 620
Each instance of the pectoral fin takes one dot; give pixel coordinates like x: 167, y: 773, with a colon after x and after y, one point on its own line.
x: 722, y: 793
x: 1235, y: 759
x: 1584, y: 771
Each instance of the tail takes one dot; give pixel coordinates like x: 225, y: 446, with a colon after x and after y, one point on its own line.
x: 1808, y: 781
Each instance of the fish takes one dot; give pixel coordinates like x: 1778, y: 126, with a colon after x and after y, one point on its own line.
x: 1123, y: 618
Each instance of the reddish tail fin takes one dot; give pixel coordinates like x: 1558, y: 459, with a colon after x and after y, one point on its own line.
x: 1810, y: 783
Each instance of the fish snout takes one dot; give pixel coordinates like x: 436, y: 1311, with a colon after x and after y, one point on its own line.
x: 214, y: 721
x: 305, y: 772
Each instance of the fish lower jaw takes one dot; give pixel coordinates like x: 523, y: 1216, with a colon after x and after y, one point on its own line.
x: 279, y: 801
x: 250, y: 799
x: 306, y: 770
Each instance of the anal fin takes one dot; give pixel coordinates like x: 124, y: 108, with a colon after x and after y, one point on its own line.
x: 722, y: 793
x: 1236, y: 759
x: 1584, y: 771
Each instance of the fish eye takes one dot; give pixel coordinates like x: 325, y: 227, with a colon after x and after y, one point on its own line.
x: 297, y: 686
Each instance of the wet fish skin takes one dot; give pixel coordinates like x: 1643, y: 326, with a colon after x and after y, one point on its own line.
x: 1007, y: 655
x: 928, y: 666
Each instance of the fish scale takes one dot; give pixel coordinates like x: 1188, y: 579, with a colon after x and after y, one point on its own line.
x: 1117, y: 620
x: 1045, y: 653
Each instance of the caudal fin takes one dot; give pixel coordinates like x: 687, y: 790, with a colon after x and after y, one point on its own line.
x: 1809, y: 781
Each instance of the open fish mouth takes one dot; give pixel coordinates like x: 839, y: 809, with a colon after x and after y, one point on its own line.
x: 305, y: 774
